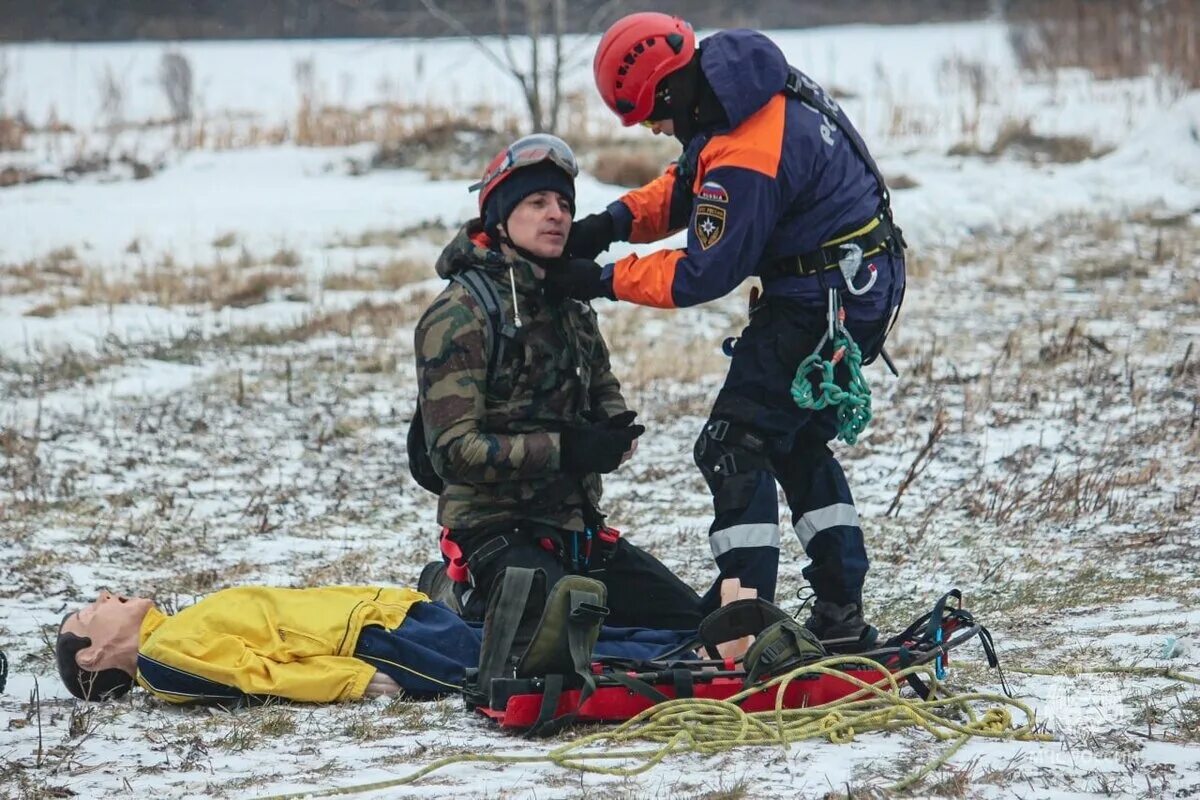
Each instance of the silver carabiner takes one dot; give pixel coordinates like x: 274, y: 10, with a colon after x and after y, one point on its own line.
x: 831, y: 331
x: 849, y: 266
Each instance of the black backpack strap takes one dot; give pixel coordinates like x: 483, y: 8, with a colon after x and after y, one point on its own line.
x: 809, y: 91
x: 512, y: 612
x: 500, y: 331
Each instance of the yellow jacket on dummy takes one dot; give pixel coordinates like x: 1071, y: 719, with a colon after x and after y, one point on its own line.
x: 292, y: 643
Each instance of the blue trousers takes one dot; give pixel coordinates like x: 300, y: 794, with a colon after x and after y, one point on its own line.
x: 757, y: 436
x: 430, y: 652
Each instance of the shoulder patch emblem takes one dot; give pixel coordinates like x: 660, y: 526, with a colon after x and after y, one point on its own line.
x: 710, y: 224
x: 713, y: 192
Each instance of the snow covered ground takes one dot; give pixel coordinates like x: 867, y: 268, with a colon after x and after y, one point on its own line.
x: 205, y: 380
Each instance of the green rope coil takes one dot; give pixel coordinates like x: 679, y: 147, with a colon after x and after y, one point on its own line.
x: 853, y: 403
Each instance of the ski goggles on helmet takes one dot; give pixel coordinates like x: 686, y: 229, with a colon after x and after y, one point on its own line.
x: 525, y: 152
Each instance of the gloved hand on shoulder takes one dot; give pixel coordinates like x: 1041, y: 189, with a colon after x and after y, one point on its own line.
x: 590, y: 236
x: 577, y: 278
x: 599, y: 447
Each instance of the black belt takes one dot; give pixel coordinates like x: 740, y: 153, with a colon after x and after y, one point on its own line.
x: 886, y: 235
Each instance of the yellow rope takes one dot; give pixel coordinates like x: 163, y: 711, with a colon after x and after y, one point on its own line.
x: 705, y: 727
x: 1111, y: 669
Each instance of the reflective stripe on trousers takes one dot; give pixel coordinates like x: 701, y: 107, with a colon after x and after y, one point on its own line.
x: 821, y: 519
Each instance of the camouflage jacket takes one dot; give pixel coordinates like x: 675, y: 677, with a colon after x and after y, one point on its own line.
x: 496, y: 445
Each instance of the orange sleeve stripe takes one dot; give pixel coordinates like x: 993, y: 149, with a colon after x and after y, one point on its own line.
x: 651, y: 208
x: 756, y: 144
x: 647, y: 281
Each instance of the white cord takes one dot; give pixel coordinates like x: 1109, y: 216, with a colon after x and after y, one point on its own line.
x: 512, y: 282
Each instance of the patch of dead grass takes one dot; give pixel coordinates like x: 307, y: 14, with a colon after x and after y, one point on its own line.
x: 239, y: 283
x: 392, y: 274
x: 628, y: 165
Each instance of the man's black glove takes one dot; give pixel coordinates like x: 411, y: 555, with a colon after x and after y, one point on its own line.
x: 577, y: 278
x: 591, y: 236
x: 599, y: 447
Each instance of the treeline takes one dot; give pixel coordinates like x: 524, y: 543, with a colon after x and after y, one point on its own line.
x: 119, y: 20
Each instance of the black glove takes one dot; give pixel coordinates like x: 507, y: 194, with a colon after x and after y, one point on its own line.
x: 578, y: 278
x: 599, y: 447
x: 591, y: 236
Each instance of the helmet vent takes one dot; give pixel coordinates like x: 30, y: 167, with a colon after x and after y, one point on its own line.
x: 675, y: 41
x: 624, y: 106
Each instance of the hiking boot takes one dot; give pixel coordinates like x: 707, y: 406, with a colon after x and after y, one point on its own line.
x: 435, y: 583
x: 841, y: 627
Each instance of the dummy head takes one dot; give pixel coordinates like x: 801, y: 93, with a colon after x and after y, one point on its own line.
x: 96, y: 649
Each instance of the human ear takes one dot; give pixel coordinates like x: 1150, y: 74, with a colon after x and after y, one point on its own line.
x: 88, y: 657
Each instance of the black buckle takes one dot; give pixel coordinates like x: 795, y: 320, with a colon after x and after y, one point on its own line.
x: 726, y: 465
x: 718, y: 429
x: 588, y: 611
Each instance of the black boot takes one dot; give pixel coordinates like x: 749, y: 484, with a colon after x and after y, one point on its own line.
x: 435, y: 583
x: 841, y: 624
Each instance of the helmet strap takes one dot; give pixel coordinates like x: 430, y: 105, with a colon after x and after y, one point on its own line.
x: 683, y: 86
x: 694, y: 105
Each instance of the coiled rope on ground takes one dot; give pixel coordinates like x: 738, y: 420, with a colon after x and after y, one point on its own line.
x: 707, y: 727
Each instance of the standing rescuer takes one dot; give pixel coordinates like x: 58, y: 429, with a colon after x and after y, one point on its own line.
x: 773, y: 182
x: 521, y: 410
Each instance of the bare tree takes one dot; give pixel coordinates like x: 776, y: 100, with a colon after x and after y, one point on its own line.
x: 540, y: 75
x: 175, y: 79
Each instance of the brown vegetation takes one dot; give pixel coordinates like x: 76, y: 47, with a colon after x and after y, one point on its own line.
x: 1111, y: 38
x: 627, y: 165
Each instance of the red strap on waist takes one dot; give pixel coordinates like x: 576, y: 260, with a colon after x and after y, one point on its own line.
x: 608, y: 535
x: 457, y: 568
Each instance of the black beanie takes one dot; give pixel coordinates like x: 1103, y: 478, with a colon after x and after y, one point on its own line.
x: 523, y: 182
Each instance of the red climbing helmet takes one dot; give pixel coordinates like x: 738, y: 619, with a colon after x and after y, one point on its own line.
x: 634, y: 55
x: 525, y: 152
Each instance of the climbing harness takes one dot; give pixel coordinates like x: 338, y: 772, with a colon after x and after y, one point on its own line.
x: 853, y: 403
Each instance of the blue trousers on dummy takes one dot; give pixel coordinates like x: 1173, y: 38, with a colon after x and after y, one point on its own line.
x: 432, y: 649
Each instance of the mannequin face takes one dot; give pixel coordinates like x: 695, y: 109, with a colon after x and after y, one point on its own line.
x: 110, y: 622
x: 540, y: 224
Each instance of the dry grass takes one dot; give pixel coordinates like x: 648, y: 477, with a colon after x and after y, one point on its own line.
x: 389, y: 275
x: 380, y: 320
x: 223, y: 283
x: 629, y: 164
x: 1111, y: 38
x: 1017, y: 139
x: 669, y: 356
x: 394, y: 237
